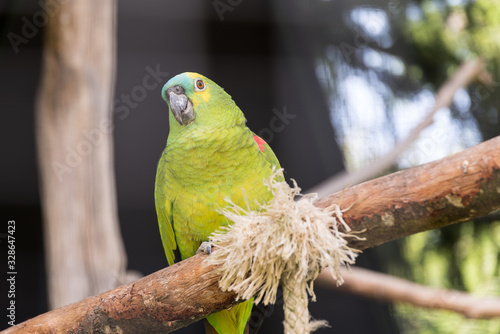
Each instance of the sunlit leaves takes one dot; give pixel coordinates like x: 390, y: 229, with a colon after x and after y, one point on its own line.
x: 471, y: 264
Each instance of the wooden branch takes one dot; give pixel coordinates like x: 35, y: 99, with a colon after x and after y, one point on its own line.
x: 453, y: 189
x: 388, y: 288
x: 84, y: 251
x: 433, y: 195
x: 465, y: 74
x: 162, y: 302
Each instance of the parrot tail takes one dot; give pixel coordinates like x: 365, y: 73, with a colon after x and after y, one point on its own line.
x: 233, y: 321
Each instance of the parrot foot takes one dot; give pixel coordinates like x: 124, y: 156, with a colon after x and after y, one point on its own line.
x: 205, y: 247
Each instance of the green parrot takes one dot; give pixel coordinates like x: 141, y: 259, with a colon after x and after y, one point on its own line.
x: 210, y: 155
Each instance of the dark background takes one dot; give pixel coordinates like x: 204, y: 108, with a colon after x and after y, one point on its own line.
x: 262, y: 53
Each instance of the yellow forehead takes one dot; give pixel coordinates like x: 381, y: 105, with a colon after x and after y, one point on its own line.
x: 193, y: 75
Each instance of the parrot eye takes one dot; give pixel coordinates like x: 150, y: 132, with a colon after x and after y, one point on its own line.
x: 199, y: 85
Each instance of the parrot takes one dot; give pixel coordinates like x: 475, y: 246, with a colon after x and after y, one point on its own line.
x: 210, y: 156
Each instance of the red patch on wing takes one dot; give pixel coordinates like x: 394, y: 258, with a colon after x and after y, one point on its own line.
x: 259, y: 142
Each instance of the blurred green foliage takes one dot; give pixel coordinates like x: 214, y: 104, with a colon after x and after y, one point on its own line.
x: 444, y: 35
x: 468, y: 260
x: 431, y: 38
x: 466, y: 256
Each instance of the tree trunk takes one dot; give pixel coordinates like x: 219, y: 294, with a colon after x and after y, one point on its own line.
x: 84, y: 251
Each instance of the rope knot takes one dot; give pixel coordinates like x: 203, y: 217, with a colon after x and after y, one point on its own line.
x: 286, y: 242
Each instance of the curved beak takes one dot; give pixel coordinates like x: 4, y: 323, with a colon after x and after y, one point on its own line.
x: 181, y: 106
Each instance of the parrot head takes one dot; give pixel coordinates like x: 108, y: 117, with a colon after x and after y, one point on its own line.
x: 195, y: 99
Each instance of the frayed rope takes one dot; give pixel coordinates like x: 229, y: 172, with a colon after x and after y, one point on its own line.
x: 286, y: 242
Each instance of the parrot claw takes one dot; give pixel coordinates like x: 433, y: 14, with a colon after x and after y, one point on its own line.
x: 205, y: 247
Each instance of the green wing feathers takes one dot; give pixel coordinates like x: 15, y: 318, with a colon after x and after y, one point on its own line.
x: 164, y: 213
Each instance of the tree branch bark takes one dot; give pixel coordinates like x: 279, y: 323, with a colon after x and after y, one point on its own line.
x: 367, y: 283
x: 433, y: 195
x: 162, y: 302
x: 450, y: 190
